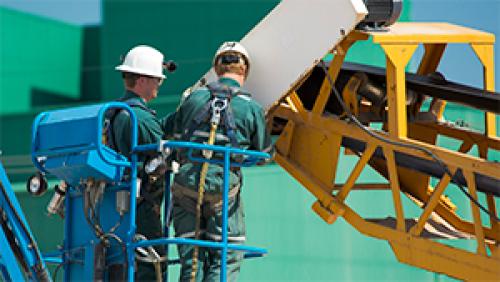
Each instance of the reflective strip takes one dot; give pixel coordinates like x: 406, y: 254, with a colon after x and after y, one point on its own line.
x: 218, y: 136
x: 230, y: 238
x: 199, y: 133
x: 180, y: 191
x: 244, y: 97
x: 212, y: 236
x: 191, y: 234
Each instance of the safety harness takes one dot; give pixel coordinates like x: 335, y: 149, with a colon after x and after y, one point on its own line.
x: 109, y: 140
x: 217, y: 112
x: 149, y: 254
x: 218, y: 107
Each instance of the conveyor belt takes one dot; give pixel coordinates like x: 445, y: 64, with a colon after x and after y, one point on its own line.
x: 442, y: 89
x: 446, y: 90
x: 484, y: 183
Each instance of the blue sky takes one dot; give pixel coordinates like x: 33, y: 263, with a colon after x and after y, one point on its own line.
x: 79, y: 12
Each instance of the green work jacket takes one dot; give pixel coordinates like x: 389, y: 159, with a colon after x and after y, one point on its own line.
x: 251, y: 134
x: 149, y: 126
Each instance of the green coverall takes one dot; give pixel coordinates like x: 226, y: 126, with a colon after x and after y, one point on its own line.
x: 251, y: 134
x: 150, y: 130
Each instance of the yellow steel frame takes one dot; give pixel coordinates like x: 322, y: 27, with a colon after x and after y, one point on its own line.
x: 309, y: 147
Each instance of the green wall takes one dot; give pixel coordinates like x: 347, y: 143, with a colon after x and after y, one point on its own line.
x: 38, y: 56
x: 188, y: 32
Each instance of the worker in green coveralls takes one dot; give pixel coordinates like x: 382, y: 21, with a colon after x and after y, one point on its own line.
x: 142, y: 73
x: 248, y: 131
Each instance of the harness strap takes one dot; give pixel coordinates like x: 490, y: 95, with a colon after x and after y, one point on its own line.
x: 230, y: 126
x: 227, y: 116
x: 183, y: 191
x: 132, y: 102
x: 195, y: 123
x: 219, y: 94
x: 150, y: 196
x: 217, y: 91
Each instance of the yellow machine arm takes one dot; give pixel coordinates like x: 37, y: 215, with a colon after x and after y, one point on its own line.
x: 312, y: 128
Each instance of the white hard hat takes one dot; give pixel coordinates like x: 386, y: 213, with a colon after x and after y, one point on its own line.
x: 232, y: 46
x: 143, y: 60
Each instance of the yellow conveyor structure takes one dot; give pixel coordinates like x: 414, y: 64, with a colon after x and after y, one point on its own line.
x: 311, y: 137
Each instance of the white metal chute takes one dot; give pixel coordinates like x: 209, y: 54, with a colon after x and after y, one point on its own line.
x: 290, y: 39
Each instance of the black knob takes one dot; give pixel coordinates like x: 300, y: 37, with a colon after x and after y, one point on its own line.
x: 170, y: 66
x: 37, y: 184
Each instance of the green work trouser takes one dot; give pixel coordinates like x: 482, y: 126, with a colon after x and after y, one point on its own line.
x: 148, y: 223
x: 209, y: 260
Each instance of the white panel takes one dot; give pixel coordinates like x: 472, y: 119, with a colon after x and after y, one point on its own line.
x: 291, y: 39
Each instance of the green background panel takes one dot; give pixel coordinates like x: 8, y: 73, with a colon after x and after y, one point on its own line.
x: 188, y: 32
x: 302, y: 247
x: 37, y: 56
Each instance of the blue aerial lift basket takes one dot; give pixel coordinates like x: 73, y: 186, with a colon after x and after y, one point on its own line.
x: 67, y: 143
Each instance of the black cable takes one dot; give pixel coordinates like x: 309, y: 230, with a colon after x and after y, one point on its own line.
x: 86, y: 208
x: 400, y: 144
x: 92, y: 213
x: 113, y: 229
x: 96, y: 213
x: 54, y: 275
x: 96, y: 206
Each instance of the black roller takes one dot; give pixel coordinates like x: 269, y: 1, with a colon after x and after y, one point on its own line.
x: 435, y: 85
